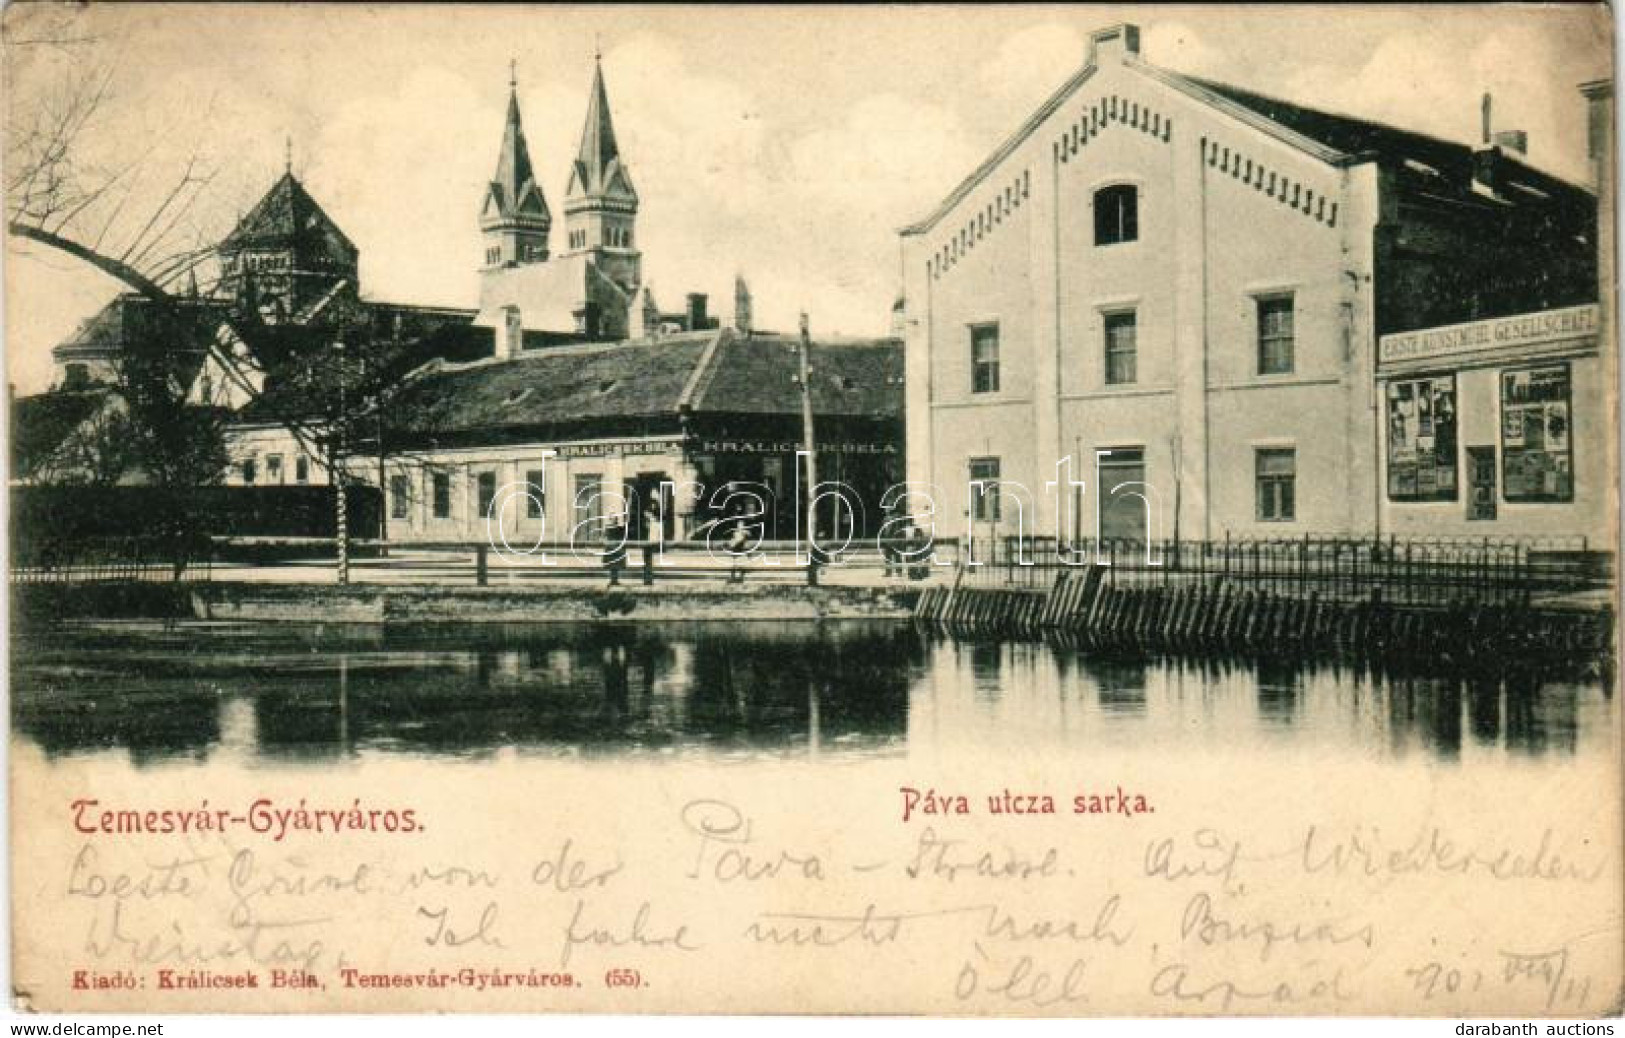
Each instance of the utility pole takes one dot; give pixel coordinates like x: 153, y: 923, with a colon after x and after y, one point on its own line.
x: 814, y: 556
x: 336, y: 470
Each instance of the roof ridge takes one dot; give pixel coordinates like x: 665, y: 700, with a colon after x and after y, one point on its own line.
x: 705, y: 372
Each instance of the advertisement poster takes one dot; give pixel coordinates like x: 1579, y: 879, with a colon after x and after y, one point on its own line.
x: 489, y: 528
x: 1536, y: 428
x: 1422, y: 457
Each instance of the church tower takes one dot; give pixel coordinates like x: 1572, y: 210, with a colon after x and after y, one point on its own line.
x: 600, y: 206
x: 287, y: 256
x: 514, y: 219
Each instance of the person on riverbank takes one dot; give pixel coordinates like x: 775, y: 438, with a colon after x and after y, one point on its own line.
x: 738, y: 550
x: 615, y: 547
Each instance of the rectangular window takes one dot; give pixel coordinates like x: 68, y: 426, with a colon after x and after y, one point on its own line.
x: 984, y: 498
x: 984, y: 358
x: 536, y: 499
x: 1536, y: 436
x: 1117, y: 214
x: 1422, y: 439
x: 589, y: 498
x: 398, y: 497
x: 1277, y: 469
x: 250, y: 470
x: 273, y: 468
x: 1275, y: 335
x: 1121, y: 349
x: 441, y: 483
x: 485, y: 494
x: 301, y: 469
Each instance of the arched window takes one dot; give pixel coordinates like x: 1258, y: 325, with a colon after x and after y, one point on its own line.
x: 1117, y: 214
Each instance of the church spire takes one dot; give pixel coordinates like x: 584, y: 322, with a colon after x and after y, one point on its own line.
x: 600, y: 205
x: 598, y: 148
x: 515, y: 217
x: 598, y: 174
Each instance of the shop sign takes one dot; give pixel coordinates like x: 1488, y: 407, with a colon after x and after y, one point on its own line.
x: 1520, y: 332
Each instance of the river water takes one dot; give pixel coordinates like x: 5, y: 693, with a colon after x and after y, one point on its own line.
x: 256, y: 696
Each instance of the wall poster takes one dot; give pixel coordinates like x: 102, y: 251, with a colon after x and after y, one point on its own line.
x: 1422, y: 439
x: 1536, y: 433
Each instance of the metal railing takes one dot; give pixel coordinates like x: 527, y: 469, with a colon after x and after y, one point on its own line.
x: 109, y: 559
x: 1434, y: 570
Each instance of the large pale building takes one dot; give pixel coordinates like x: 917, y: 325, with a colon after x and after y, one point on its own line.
x: 1181, y: 285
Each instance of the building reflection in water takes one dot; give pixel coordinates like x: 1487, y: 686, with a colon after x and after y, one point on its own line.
x: 304, y: 695
x: 473, y: 692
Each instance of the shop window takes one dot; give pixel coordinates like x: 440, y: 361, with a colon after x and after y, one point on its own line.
x: 984, y: 358
x: 1117, y: 214
x: 1277, y: 477
x: 535, y: 498
x: 1421, y: 417
x: 399, y: 503
x: 1122, y: 349
x: 301, y: 469
x: 1275, y: 335
x: 273, y: 468
x: 485, y: 494
x: 251, y: 470
x: 440, y: 483
x: 984, y: 490
x: 1537, y: 434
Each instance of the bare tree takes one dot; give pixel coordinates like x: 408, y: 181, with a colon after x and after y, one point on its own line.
x: 140, y: 221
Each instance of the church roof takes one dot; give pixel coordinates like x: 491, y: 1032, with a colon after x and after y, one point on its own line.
x: 287, y: 217
x: 598, y: 170
x: 514, y: 190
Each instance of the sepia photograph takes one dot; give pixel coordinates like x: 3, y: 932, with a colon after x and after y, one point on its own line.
x: 973, y: 511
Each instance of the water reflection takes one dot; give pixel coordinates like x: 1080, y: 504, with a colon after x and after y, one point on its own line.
x: 311, y: 694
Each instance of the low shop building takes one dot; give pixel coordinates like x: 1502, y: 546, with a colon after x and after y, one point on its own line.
x: 527, y: 446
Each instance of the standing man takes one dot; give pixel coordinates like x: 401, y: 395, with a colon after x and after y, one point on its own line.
x: 615, y: 547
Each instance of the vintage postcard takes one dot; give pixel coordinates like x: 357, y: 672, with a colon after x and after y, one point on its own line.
x: 1007, y: 510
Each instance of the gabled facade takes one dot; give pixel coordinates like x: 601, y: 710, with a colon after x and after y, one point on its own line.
x: 1179, y: 286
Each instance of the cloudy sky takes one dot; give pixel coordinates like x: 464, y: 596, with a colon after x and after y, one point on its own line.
x: 786, y: 144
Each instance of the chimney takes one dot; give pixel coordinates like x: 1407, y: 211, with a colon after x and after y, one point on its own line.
x: 696, y: 311
x: 1512, y: 140
x: 1113, y: 43
x: 742, y: 308
x: 511, y: 336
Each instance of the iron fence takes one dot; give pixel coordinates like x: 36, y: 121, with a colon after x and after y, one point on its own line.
x: 109, y: 559
x: 1421, y: 571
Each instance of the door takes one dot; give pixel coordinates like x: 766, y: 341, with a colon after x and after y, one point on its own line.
x: 651, y: 490
x: 1122, y: 508
x: 1480, y: 482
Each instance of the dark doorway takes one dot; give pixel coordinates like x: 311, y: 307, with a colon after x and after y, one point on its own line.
x: 651, y: 491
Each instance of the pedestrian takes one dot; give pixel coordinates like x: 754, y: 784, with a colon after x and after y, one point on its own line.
x: 615, y: 547
x: 917, y: 553
x: 653, y: 533
x: 739, y: 549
